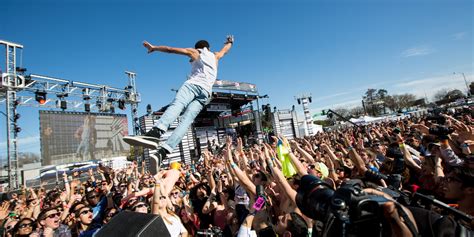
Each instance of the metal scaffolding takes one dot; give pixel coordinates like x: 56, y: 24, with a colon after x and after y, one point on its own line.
x: 19, y: 89
x: 305, y: 100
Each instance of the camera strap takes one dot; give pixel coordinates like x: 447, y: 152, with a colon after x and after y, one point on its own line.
x: 407, y: 220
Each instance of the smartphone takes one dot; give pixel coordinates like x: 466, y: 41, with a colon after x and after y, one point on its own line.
x: 259, y: 203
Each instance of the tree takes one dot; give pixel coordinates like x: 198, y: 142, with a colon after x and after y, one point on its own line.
x: 357, y: 111
x: 343, y: 112
x: 440, y: 94
x: 382, y: 94
x: 454, y: 95
x: 370, y: 100
x: 445, y: 96
x: 391, y: 102
x: 405, y: 101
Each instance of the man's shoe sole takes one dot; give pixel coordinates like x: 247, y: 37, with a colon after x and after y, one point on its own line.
x: 153, y: 164
x: 141, y: 141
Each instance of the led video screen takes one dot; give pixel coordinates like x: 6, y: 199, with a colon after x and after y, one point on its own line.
x: 68, y: 137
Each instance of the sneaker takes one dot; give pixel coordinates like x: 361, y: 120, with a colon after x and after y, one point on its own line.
x: 156, y: 160
x: 150, y: 140
x: 154, y: 133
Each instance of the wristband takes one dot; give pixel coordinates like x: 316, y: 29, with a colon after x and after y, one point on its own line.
x: 350, y: 148
x: 401, y: 145
x: 233, y: 165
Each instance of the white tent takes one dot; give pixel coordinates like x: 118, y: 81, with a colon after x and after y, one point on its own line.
x: 366, y: 119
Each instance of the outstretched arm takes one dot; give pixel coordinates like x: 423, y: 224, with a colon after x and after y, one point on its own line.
x: 190, y: 52
x: 227, y: 45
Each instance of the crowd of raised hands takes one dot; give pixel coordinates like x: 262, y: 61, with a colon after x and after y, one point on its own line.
x: 240, y: 189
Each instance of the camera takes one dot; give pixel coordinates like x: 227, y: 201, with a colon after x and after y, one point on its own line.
x: 213, y: 231
x: 441, y: 131
x: 438, y: 119
x: 347, y: 211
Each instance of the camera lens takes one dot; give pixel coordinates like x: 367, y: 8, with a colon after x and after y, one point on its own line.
x: 313, y: 197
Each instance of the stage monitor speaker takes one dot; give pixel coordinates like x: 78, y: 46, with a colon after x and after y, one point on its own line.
x: 133, y: 224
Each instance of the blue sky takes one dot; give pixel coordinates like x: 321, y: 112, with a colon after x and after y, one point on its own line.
x: 335, y: 50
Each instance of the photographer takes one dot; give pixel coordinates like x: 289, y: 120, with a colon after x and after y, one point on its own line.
x: 459, y: 187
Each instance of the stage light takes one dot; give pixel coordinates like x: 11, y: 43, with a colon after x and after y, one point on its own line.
x: 87, y: 107
x: 310, y: 99
x: 112, y: 108
x: 299, y: 101
x: 40, y: 96
x: 61, y: 104
x: 20, y: 69
x: 121, y: 104
x: 17, y: 129
x: 99, y: 104
x: 17, y: 116
x: 148, y: 109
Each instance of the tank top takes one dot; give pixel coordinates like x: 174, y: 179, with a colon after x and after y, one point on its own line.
x: 204, y: 70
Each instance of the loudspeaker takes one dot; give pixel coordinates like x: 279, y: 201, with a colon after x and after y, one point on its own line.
x: 133, y: 224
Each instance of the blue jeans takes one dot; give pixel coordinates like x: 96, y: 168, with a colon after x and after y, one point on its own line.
x: 190, y: 98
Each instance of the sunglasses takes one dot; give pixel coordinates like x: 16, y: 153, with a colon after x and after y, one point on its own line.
x: 139, y: 206
x: 162, y: 197
x: 24, y: 225
x: 174, y: 193
x: 53, y: 215
x: 85, y: 212
x: 123, y: 185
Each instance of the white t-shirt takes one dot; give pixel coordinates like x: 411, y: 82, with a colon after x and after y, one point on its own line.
x: 204, y: 70
x: 176, y: 228
x: 246, y: 232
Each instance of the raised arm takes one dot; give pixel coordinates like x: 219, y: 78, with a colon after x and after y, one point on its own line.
x: 190, y: 52
x: 227, y: 45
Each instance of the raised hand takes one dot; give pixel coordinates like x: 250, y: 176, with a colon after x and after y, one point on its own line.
x: 4, y: 210
x: 228, y: 142
x: 148, y: 46
x: 229, y: 39
x: 239, y: 145
x: 423, y: 128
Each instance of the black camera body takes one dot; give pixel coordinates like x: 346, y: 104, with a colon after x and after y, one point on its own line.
x: 347, y: 211
x: 441, y: 131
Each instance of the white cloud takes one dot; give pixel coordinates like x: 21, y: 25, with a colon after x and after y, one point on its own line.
x: 430, y: 85
x: 417, y: 51
x: 459, y: 35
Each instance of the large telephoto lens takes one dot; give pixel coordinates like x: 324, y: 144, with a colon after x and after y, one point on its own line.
x: 313, y: 197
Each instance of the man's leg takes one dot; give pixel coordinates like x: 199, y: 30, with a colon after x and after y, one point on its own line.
x: 184, y: 96
x: 187, y: 119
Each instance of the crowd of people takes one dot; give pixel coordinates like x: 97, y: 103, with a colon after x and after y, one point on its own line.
x: 243, y: 190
